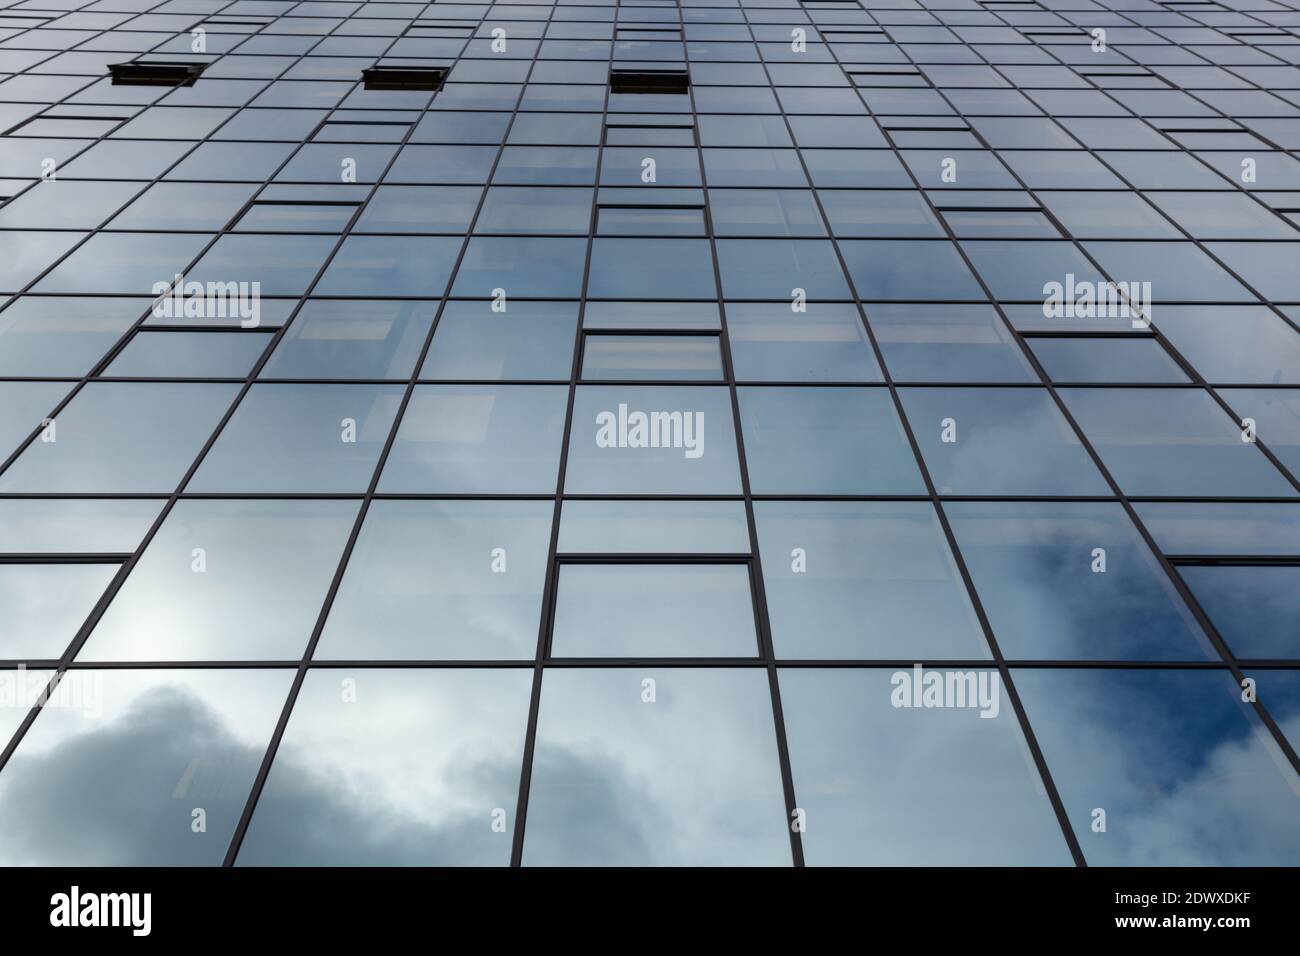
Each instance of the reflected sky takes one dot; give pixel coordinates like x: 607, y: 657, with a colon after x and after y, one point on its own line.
x: 1236, y: 528
x: 863, y: 580
x: 691, y: 779
x: 395, y: 768
x: 1049, y: 593
x: 902, y: 786
x: 654, y: 610
x: 442, y: 580
x: 1186, y: 775
x: 113, y: 777
x: 1010, y: 441
x: 323, y: 438
x: 481, y: 439
x: 123, y: 438
x: 227, y: 580
x: 1172, y: 442
x: 691, y: 451
x: 1255, y: 609
x: 74, y: 525
x: 825, y: 441
x: 653, y: 527
x: 43, y: 605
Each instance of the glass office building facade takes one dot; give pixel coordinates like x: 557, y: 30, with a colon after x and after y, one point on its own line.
x: 715, y: 432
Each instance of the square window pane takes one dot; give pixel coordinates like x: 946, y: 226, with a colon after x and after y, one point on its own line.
x: 863, y: 580
x: 442, y: 580
x: 440, y: 750
x: 478, y: 439
x: 818, y: 440
x: 706, y: 741
x: 45, y: 604
x: 653, y: 439
x: 1253, y: 608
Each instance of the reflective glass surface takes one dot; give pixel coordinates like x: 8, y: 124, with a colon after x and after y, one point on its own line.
x: 598, y: 467
x: 620, y: 752
x: 119, y: 773
x: 437, y: 793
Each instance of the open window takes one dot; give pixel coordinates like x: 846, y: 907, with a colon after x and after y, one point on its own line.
x: 649, y: 81
x: 155, y: 73
x: 404, y: 77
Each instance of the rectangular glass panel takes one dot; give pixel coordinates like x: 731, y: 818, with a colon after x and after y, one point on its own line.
x: 654, y: 357
x: 621, y: 610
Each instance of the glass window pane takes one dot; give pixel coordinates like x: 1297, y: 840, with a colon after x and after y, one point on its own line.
x: 1172, y: 442
x: 529, y: 340
x: 439, y: 750
x: 442, y: 580
x: 653, y: 439
x: 611, y: 772
x: 652, y: 315
x: 352, y: 339
x: 818, y: 440
x: 1121, y: 360
x: 999, y: 441
x: 775, y: 268
x: 1185, y: 772
x: 1276, y: 414
x: 478, y: 439
x: 44, y: 605
x: 322, y: 438
x: 1230, y: 345
x: 653, y: 527
x: 947, y: 343
x: 892, y: 270
x: 624, y: 610
x: 653, y: 357
x: 861, y: 581
x: 636, y: 268
x: 227, y: 580
x: 971, y: 795
x: 390, y: 265
x: 112, y: 776
x: 74, y: 526
x: 189, y: 355
x: 825, y: 343
x: 1072, y: 581
x: 523, y: 267
x: 20, y: 689
x: 1226, y: 528
x: 1254, y: 609
x: 116, y: 437
x: 62, y: 335
x: 24, y: 408
x: 419, y: 209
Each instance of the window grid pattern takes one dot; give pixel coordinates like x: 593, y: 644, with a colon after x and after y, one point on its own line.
x: 1116, y: 170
